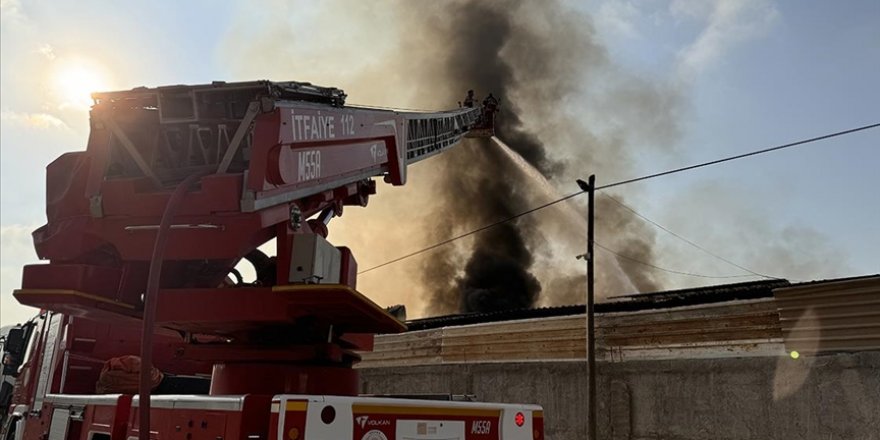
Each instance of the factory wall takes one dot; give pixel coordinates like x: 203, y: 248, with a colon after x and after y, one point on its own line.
x: 834, y: 396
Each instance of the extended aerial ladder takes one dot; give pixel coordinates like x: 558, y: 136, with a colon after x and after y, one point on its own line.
x: 177, y: 185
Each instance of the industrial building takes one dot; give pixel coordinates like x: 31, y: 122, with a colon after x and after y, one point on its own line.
x: 757, y: 360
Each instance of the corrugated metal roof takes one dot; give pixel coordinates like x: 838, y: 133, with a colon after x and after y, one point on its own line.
x: 628, y: 303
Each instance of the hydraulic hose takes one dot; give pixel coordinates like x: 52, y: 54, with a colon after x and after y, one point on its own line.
x: 150, y: 302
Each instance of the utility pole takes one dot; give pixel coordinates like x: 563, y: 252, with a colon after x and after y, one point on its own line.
x: 590, y: 188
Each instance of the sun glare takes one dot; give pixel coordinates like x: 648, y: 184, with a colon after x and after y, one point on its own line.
x: 75, y: 82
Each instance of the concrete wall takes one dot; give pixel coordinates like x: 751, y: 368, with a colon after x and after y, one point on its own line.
x: 757, y: 398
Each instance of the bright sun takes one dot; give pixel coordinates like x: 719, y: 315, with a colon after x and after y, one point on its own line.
x: 76, y: 80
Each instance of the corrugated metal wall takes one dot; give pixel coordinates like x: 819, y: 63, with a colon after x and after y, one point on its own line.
x: 736, y: 328
x: 830, y: 316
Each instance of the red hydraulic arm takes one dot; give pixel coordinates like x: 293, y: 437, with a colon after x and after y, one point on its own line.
x: 253, y: 161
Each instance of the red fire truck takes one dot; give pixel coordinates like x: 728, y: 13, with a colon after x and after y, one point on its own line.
x: 145, y: 229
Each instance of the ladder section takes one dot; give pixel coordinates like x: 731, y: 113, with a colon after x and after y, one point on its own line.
x: 432, y: 133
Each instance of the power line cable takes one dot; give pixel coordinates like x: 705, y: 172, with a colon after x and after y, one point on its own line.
x: 626, y: 257
x: 619, y: 183
x: 688, y: 241
x: 741, y: 156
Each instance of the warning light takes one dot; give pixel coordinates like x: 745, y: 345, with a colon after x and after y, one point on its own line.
x: 520, y: 419
x: 794, y: 354
x: 293, y: 434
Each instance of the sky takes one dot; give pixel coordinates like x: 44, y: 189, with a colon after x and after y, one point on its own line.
x: 749, y: 74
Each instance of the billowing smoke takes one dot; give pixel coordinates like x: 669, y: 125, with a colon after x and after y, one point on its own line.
x: 534, y: 59
x: 478, y: 187
x: 479, y: 184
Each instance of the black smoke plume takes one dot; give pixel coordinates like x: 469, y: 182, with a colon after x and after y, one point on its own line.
x: 533, y: 58
x: 480, y: 184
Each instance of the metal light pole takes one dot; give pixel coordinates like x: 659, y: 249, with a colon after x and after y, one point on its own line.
x: 590, y: 188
